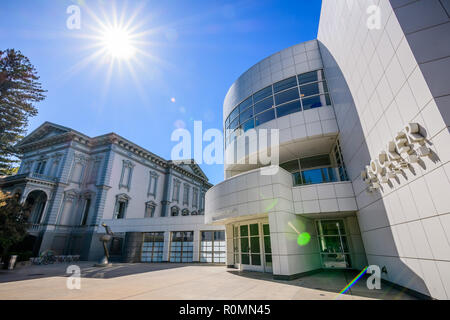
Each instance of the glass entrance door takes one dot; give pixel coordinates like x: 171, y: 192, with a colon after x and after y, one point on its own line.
x: 334, y: 251
x: 267, y: 248
x: 250, y: 246
x: 252, y: 250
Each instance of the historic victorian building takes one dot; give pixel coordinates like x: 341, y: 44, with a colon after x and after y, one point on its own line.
x: 364, y: 178
x: 364, y: 163
x: 74, y: 183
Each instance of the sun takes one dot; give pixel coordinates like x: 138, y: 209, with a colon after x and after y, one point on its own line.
x: 118, y: 43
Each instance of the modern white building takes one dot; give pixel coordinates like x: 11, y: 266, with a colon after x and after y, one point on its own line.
x: 75, y: 183
x: 363, y: 114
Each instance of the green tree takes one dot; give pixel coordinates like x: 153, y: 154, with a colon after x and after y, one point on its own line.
x: 20, y: 89
x: 13, y: 222
x: 11, y: 171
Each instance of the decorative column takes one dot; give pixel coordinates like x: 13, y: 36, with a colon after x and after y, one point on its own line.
x: 166, y: 246
x: 167, y: 185
x: 67, y: 208
x: 196, y: 255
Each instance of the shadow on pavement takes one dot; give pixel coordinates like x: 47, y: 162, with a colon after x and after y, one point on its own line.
x: 87, y: 270
x: 334, y: 281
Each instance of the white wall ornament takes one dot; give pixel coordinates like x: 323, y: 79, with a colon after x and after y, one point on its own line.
x: 407, y: 147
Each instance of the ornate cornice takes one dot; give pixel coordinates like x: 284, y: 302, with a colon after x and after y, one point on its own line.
x: 48, y: 142
x: 26, y: 178
x: 189, y: 174
x: 68, y: 135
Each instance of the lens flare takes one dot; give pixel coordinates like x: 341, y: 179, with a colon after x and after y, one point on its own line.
x: 303, y: 239
x: 347, y: 287
x: 271, y: 205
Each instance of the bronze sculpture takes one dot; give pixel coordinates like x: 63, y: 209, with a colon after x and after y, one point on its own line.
x: 104, y: 239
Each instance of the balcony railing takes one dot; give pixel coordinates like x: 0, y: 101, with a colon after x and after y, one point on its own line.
x: 41, y: 176
x: 33, y: 227
x: 33, y: 175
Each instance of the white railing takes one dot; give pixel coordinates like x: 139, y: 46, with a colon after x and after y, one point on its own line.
x: 63, y: 228
x: 50, y: 259
x: 41, y: 176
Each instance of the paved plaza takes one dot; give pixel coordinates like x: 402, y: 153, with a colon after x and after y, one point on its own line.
x: 180, y: 281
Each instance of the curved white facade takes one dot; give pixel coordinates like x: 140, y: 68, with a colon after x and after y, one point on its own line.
x: 280, y: 202
x: 298, y: 130
x: 291, y: 61
x: 379, y: 80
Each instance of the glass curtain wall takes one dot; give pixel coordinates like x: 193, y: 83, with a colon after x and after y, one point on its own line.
x: 153, y: 247
x: 334, y: 250
x: 182, y: 246
x: 302, y: 92
x: 323, y: 168
x: 213, y: 247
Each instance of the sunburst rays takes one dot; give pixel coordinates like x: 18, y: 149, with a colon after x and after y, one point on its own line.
x: 116, y: 42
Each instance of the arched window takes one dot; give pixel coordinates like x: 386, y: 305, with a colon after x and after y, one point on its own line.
x: 185, y: 212
x: 122, y: 201
x: 150, y: 209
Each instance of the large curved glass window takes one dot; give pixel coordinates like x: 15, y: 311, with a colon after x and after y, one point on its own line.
x: 246, y: 114
x: 312, y: 89
x: 302, y: 92
x: 287, y: 96
x: 312, y: 76
x: 316, y: 102
x: 264, y: 117
x: 234, y: 124
x: 250, y: 124
x: 285, y: 84
x: 317, y: 169
x: 288, y: 108
x: 321, y: 175
x: 245, y: 104
x: 234, y: 113
x: 263, y: 105
x: 264, y: 93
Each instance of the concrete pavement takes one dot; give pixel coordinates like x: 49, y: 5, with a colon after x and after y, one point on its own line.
x: 180, y: 281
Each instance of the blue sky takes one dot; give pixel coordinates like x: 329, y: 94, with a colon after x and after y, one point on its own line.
x: 188, y: 50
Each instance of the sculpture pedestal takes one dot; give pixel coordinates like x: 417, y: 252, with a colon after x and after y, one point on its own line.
x: 103, y: 263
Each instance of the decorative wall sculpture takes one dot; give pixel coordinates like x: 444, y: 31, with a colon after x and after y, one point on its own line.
x: 407, y: 147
